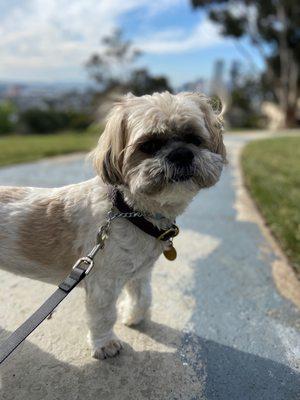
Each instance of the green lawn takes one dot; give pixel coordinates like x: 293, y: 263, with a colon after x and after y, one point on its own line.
x: 272, y: 173
x: 16, y: 148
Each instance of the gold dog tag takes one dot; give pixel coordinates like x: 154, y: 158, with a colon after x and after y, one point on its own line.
x: 170, y: 253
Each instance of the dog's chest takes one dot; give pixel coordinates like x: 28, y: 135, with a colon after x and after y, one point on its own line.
x: 131, y: 249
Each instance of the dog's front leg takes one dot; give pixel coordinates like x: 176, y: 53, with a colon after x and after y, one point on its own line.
x: 101, y: 297
x: 136, y: 304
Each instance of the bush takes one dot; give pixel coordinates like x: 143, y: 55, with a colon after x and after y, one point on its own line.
x: 8, y: 117
x: 239, y: 118
x: 244, y: 110
x: 79, y: 121
x: 46, y: 121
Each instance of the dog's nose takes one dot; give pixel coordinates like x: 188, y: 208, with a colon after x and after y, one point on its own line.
x: 181, y: 156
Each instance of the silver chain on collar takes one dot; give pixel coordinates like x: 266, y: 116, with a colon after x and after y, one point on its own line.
x: 113, y: 215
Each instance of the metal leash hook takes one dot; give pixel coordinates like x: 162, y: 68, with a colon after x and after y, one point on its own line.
x: 102, y: 236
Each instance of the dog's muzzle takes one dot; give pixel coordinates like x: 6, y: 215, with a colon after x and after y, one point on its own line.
x: 181, y: 160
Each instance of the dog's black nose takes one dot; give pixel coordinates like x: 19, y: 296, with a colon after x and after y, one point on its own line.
x: 181, y: 156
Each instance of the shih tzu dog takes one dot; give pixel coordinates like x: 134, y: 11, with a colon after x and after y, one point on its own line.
x: 158, y: 151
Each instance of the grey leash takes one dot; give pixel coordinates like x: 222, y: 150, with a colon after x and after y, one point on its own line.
x: 80, y: 270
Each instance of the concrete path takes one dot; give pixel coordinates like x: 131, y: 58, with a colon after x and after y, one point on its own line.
x: 221, y: 328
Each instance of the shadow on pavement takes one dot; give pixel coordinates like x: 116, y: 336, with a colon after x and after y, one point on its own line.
x: 192, y: 368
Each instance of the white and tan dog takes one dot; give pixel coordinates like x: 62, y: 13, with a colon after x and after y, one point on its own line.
x: 159, y: 150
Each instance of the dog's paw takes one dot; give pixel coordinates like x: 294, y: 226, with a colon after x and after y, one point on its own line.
x: 110, y: 349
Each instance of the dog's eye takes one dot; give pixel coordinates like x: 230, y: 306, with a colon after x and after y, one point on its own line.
x: 193, y: 139
x: 152, y: 146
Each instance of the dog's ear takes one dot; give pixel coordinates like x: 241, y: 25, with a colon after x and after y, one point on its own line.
x: 109, y: 154
x: 213, y: 110
x: 213, y: 116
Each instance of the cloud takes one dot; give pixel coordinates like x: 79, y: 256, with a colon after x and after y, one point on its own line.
x: 174, y: 41
x: 54, y: 34
x: 51, y: 40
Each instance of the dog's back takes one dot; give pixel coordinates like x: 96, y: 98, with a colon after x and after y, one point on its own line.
x: 39, y: 227
x: 11, y: 194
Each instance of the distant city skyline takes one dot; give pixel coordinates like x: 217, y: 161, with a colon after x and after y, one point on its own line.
x: 50, y: 41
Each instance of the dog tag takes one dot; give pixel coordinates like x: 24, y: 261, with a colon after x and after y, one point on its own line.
x: 170, y: 253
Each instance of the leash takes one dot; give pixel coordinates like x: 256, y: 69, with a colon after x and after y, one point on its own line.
x: 82, y: 268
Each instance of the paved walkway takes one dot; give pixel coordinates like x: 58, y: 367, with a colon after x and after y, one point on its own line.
x: 221, y: 328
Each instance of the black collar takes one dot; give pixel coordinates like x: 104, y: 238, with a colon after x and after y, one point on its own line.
x: 141, y: 222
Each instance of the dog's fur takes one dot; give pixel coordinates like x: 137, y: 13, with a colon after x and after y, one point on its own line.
x: 44, y: 231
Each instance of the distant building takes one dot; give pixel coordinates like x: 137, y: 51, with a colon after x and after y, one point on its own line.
x: 199, y: 85
x: 217, y: 86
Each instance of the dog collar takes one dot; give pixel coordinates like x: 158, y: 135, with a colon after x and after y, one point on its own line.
x: 137, y: 218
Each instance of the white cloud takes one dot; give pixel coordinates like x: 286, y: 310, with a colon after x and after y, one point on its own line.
x: 174, y: 41
x: 51, y: 40
x: 49, y: 36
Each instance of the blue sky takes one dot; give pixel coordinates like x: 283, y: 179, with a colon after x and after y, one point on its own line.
x: 49, y: 40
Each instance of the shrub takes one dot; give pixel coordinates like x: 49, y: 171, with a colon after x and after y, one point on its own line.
x: 46, y: 121
x: 79, y: 121
x: 8, y: 117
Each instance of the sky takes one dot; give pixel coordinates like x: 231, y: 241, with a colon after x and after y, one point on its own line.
x: 50, y: 40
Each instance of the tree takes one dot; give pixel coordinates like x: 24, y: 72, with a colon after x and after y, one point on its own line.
x: 142, y: 82
x: 112, y: 66
x: 113, y: 69
x: 8, y: 117
x: 245, y: 98
x: 273, y: 28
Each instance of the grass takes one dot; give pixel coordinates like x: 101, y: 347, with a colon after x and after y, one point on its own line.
x: 17, y: 149
x: 272, y: 173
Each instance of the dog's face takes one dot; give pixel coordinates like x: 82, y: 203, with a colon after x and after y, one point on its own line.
x: 162, y: 145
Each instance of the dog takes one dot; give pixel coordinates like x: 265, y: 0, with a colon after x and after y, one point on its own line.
x: 159, y: 150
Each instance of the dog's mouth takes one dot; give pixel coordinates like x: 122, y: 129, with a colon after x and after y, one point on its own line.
x: 182, y: 175
x: 181, y: 178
